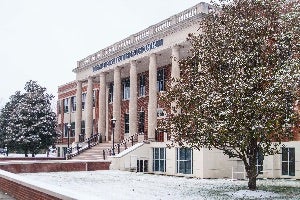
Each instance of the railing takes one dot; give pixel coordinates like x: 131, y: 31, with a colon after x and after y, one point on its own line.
x: 145, y: 34
x: 89, y: 143
x: 130, y: 140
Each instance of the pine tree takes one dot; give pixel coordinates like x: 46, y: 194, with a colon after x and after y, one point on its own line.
x: 27, y: 121
x: 238, y: 89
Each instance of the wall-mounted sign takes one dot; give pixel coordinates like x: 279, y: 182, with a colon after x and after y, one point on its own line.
x: 130, y: 54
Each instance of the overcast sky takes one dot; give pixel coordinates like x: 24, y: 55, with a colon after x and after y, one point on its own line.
x: 43, y: 39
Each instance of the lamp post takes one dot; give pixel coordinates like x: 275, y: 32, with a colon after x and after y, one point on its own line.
x: 113, y: 124
x: 69, y: 129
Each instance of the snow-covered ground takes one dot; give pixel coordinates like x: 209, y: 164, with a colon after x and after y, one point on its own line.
x: 113, y: 185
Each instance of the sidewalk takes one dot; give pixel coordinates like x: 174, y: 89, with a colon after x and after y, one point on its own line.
x: 4, y: 196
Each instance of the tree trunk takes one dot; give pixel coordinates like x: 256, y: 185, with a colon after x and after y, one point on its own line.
x: 252, y: 180
x: 251, y: 172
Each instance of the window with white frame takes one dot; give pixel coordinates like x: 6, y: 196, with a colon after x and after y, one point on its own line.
x: 161, y: 80
x: 142, y: 86
x: 83, y: 128
x: 72, y: 133
x: 288, y: 161
x: 73, y: 103
x: 66, y: 105
x: 126, y: 88
x: 83, y: 100
x: 159, y: 159
x: 184, y: 160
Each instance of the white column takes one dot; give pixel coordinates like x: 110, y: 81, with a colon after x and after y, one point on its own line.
x: 117, y: 103
x: 89, y: 108
x: 152, y: 105
x: 175, y: 71
x: 102, y: 105
x: 78, y: 114
x: 107, y: 121
x: 133, y: 99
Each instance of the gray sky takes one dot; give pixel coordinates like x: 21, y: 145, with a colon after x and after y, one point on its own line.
x: 43, y: 40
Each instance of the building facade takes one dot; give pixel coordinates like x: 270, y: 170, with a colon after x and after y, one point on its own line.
x: 123, y: 82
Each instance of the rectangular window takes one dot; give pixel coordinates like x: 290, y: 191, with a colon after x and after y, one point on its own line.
x: 72, y: 133
x: 82, y: 128
x: 161, y: 80
x: 142, y: 86
x: 126, y: 123
x: 126, y: 88
x: 66, y: 105
x: 72, y: 130
x: 141, y: 122
x: 73, y: 103
x: 288, y: 161
x: 184, y: 160
x: 259, y: 162
x: 83, y: 100
x: 111, y: 92
x: 66, y: 130
x: 159, y: 159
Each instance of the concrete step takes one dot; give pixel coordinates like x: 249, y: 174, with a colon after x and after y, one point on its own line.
x: 96, y: 152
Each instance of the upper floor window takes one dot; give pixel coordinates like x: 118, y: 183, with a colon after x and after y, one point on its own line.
x: 111, y: 92
x: 73, y: 103
x: 141, y: 122
x: 126, y: 123
x: 126, y: 88
x: 70, y: 132
x: 66, y: 105
x: 161, y: 80
x: 142, y: 86
x: 83, y: 100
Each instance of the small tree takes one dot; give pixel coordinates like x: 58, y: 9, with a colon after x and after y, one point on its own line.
x: 27, y: 121
x: 237, y: 90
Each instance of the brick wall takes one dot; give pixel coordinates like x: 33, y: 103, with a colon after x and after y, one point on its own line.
x: 20, y: 189
x: 22, y: 192
x: 33, y: 167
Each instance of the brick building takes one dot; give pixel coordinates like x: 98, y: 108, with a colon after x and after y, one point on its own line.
x: 123, y: 82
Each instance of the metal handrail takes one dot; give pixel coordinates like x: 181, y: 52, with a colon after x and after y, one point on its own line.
x: 117, y: 146
x: 89, y: 143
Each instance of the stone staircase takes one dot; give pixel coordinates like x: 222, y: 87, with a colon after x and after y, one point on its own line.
x: 94, y: 153
x: 97, y: 149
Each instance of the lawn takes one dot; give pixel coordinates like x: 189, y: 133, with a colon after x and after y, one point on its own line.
x: 129, y: 185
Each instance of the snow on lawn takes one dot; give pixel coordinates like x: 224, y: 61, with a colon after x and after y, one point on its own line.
x: 128, y: 185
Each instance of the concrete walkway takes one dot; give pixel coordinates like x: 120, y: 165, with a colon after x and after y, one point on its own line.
x: 4, y: 196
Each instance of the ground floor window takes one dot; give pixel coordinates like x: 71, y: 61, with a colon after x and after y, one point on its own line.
x: 259, y: 162
x: 65, y: 150
x: 184, y: 160
x: 288, y: 161
x: 159, y: 159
